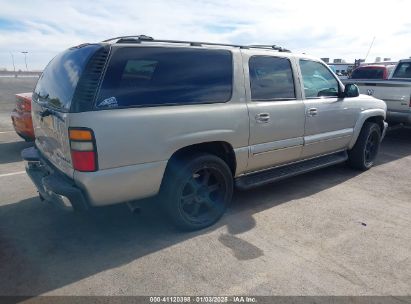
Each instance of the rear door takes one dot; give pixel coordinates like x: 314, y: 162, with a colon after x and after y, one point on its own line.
x: 275, y: 109
x: 51, y: 105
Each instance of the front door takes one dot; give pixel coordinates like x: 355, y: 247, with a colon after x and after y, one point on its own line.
x: 329, y: 119
x: 276, y: 114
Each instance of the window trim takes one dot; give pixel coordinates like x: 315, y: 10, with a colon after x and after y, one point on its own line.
x: 272, y: 99
x: 115, y: 48
x: 332, y: 74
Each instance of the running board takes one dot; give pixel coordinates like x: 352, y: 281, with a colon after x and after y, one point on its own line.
x: 279, y: 173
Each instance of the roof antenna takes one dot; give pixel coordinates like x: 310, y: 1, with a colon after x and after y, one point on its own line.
x: 373, y: 39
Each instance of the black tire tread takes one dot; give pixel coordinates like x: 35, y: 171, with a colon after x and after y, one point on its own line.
x: 356, y: 158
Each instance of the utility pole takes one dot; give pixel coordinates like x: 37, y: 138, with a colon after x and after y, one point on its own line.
x: 25, y: 59
x: 373, y: 39
x: 12, y: 59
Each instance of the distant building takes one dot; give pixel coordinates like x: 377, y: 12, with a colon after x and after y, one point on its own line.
x: 342, y: 68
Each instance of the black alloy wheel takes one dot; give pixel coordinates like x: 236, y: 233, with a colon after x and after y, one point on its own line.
x: 197, y: 191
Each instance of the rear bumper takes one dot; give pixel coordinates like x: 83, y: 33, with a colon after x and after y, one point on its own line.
x: 122, y: 184
x: 52, y: 185
x: 399, y: 117
x: 92, y: 189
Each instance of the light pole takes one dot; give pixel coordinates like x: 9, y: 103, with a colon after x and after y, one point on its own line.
x: 25, y: 59
x: 12, y: 59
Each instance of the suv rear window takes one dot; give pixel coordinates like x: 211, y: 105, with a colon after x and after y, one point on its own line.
x: 368, y: 73
x: 57, y: 84
x: 149, y: 76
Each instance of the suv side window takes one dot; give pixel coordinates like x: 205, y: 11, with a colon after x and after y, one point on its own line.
x: 150, y: 76
x: 271, y: 78
x: 318, y: 80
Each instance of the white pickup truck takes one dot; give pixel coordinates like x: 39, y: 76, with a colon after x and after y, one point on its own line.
x: 396, y: 92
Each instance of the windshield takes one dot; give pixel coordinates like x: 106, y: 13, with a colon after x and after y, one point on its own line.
x: 368, y: 73
x: 57, y: 84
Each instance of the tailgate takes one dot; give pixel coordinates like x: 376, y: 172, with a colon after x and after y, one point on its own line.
x: 52, y: 137
x: 52, y: 103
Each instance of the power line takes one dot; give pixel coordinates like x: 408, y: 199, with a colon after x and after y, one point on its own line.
x: 373, y: 39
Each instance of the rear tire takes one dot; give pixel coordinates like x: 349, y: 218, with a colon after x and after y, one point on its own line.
x: 197, y: 191
x: 362, y: 156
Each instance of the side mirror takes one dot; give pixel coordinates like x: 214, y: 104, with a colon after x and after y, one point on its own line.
x: 351, y: 90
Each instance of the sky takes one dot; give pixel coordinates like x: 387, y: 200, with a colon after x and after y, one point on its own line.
x: 334, y: 29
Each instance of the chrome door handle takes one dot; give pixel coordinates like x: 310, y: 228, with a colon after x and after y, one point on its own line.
x: 312, y: 112
x: 262, y: 117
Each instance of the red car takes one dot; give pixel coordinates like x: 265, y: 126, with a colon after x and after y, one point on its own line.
x: 372, y: 72
x: 21, y: 117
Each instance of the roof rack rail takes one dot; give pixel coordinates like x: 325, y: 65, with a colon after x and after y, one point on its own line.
x: 140, y: 38
x: 131, y: 38
x: 270, y: 46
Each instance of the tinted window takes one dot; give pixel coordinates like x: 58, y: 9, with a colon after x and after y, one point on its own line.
x: 368, y: 73
x: 403, y: 70
x: 271, y: 78
x: 57, y: 83
x: 147, y: 76
x: 318, y: 80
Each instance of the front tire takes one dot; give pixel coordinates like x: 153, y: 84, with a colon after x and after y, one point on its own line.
x: 197, y: 191
x: 362, y: 156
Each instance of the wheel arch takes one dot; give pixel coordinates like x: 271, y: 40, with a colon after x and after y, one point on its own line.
x: 374, y: 115
x: 221, y: 149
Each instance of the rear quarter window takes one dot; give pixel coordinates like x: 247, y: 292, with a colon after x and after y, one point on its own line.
x: 150, y: 76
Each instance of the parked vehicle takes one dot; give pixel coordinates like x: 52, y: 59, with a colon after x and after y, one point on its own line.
x: 332, y: 68
x: 396, y: 92
x: 21, y: 117
x: 135, y: 117
x: 372, y: 72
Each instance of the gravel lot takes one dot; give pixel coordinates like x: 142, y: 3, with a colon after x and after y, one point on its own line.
x: 331, y: 232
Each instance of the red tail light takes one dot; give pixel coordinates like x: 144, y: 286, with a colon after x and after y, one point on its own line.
x: 83, y: 161
x: 23, y: 103
x: 27, y: 105
x: 83, y: 149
